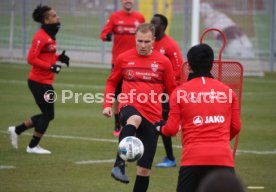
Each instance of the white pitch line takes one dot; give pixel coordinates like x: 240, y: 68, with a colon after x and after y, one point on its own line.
x: 6, y: 167
x: 81, y: 138
x: 159, y: 145
x: 255, y: 187
x: 74, y: 137
x: 95, y: 161
x: 257, y: 152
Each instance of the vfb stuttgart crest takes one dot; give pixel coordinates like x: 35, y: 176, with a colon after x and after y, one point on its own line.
x: 136, y: 23
x: 162, y: 51
x: 51, y: 48
x: 154, y: 67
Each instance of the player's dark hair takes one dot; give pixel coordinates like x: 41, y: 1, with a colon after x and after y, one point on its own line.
x: 145, y: 27
x: 163, y: 18
x: 40, y: 13
x: 201, y: 58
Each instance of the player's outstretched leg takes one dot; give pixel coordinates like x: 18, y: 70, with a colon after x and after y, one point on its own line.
x: 118, y: 171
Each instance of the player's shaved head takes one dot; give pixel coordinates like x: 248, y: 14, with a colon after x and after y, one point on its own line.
x: 163, y: 19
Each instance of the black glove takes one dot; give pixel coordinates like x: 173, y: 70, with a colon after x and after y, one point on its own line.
x: 108, y: 37
x: 64, y: 58
x: 55, y: 68
x: 158, y: 126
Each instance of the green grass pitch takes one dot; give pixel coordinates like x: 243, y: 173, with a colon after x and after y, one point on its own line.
x: 80, y: 133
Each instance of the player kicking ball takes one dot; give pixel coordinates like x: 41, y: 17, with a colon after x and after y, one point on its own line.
x: 143, y: 71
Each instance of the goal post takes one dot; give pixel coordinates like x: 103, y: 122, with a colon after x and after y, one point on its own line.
x: 195, y: 22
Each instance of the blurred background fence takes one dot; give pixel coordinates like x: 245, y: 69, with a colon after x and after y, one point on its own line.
x: 82, y: 21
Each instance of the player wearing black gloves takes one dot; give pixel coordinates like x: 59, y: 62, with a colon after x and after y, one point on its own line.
x: 108, y: 37
x: 159, y: 125
x: 42, y: 57
x: 64, y: 58
x: 208, y: 123
x: 55, y: 68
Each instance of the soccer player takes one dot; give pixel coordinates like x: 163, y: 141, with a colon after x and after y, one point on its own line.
x: 145, y: 73
x: 168, y: 47
x: 42, y: 57
x: 122, y: 25
x: 210, y: 116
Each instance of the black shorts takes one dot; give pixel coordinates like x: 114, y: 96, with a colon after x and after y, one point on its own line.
x: 145, y: 132
x: 43, y: 95
x: 190, y: 177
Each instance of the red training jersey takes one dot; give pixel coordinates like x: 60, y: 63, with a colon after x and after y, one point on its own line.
x: 168, y: 47
x: 42, y: 55
x: 123, y: 26
x: 144, y: 78
x: 210, y: 116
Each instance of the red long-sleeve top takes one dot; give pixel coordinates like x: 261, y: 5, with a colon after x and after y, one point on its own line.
x: 42, y: 55
x: 143, y: 77
x: 123, y: 26
x: 168, y: 47
x: 209, y: 114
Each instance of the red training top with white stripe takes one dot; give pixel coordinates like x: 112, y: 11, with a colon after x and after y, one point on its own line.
x: 42, y: 55
x: 144, y: 78
x: 210, y: 117
x: 123, y: 26
x: 168, y: 47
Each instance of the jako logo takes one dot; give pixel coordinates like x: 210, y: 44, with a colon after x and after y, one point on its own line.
x: 198, y: 120
x: 214, y: 119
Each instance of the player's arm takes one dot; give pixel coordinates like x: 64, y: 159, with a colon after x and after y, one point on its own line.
x: 175, y: 56
x: 111, y: 84
x: 172, y: 125
x: 34, y: 51
x: 106, y: 34
x: 235, y: 117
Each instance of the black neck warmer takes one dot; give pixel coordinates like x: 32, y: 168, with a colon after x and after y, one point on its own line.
x: 51, y: 29
x: 199, y: 74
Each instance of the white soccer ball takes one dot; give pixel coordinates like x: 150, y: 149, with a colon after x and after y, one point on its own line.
x: 131, y: 149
